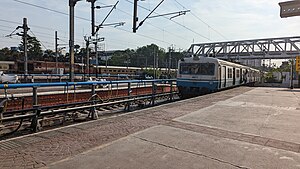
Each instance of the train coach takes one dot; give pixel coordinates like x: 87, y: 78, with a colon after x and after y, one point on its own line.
x: 201, y: 75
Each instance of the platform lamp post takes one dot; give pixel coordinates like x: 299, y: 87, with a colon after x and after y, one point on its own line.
x: 290, y: 9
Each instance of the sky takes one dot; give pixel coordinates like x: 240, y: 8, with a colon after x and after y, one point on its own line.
x: 208, y: 21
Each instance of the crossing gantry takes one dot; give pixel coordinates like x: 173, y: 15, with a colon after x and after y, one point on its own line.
x: 272, y: 48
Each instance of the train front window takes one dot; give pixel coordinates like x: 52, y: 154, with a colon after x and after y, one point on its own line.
x: 197, y: 68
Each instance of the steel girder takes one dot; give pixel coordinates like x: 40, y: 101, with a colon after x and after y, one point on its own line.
x: 273, y: 48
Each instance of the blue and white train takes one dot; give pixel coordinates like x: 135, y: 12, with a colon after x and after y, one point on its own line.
x: 201, y: 75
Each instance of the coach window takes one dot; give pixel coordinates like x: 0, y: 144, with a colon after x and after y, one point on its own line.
x: 229, y: 73
x: 237, y: 73
x: 206, y: 69
x: 184, y: 68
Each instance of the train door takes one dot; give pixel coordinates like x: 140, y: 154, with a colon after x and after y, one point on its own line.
x: 233, y: 76
x: 220, y: 77
x: 241, y: 75
x: 223, y: 79
x: 237, y: 79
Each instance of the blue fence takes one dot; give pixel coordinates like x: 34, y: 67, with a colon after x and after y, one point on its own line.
x: 30, y: 85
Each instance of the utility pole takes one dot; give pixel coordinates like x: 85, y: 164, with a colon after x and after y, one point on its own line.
x: 292, y: 72
x: 87, y: 68
x: 136, y: 26
x: 24, y: 36
x: 25, y: 29
x: 56, y: 53
x: 154, y: 64
x: 135, y: 18
x: 72, y: 4
x: 170, y: 61
x: 96, y: 40
x: 96, y: 54
x: 93, y: 15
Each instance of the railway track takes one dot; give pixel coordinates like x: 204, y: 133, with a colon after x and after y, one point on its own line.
x: 85, y: 107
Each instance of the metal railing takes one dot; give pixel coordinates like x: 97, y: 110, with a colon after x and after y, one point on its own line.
x: 37, y: 112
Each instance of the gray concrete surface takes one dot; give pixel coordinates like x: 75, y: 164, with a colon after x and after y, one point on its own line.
x: 257, y: 129
x: 268, y: 112
x: 166, y: 147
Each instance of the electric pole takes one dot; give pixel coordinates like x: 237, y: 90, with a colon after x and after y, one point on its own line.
x: 170, y: 61
x: 56, y: 53
x: 72, y: 4
x: 87, y: 68
x: 92, y: 15
x: 96, y: 40
x: 96, y: 54
x: 135, y: 18
x: 24, y: 36
x: 25, y: 29
x: 154, y: 64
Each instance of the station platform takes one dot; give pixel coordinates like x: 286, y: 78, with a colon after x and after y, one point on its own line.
x: 243, y: 127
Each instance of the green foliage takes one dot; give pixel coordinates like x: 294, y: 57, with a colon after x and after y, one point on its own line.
x: 140, y: 57
x: 269, y: 77
x: 33, y: 48
x: 144, y: 57
x: 9, y: 55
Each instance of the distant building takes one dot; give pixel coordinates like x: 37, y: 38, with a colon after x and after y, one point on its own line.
x: 7, y: 66
x: 15, y: 49
x: 284, y: 64
x: 252, y: 62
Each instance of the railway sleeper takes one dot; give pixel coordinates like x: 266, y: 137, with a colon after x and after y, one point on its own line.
x: 100, y: 109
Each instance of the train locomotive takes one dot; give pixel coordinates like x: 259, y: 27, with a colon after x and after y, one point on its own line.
x: 202, y: 75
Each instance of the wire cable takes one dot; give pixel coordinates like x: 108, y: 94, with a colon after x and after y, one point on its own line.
x: 49, y: 9
x: 38, y: 39
x: 174, y: 22
x: 181, y: 37
x: 202, y: 21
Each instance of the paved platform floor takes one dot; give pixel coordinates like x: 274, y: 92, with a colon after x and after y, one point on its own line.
x: 237, y: 128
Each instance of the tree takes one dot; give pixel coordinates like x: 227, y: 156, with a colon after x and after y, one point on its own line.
x: 145, y: 55
x: 122, y: 58
x: 33, y: 48
x: 7, y: 54
x: 49, y: 55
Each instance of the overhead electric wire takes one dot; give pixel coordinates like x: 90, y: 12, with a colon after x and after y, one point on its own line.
x: 3, y: 20
x: 145, y: 36
x: 49, y: 9
x: 38, y: 39
x: 181, y: 37
x: 174, y: 22
x: 36, y: 26
x: 5, y: 30
x: 202, y: 21
x: 62, y: 13
x: 4, y: 26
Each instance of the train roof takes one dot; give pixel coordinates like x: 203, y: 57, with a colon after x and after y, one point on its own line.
x: 203, y: 59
